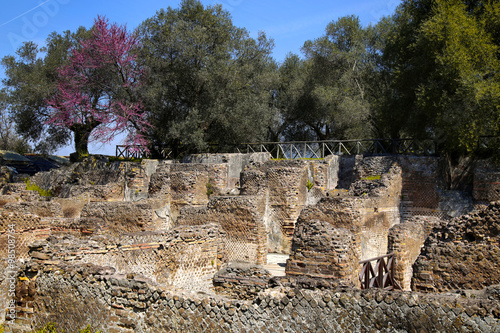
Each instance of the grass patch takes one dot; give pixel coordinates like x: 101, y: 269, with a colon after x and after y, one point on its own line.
x: 51, y: 328
x: 123, y: 159
x: 375, y: 177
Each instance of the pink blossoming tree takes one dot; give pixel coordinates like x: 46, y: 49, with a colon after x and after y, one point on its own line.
x: 97, y: 90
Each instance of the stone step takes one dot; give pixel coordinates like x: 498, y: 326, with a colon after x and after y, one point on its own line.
x: 276, y: 263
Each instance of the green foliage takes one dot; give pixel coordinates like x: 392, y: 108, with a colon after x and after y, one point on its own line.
x: 51, y: 328
x: 9, y: 139
x: 112, y: 159
x: 41, y: 191
x: 374, y: 177
x: 210, y: 189
x: 325, y: 96
x: 442, y: 58
x: 88, y: 329
x: 309, y: 185
x: 29, y: 82
x: 48, y: 328
x: 210, y: 83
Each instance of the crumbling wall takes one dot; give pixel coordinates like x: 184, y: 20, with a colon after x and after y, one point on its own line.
x: 425, y: 193
x: 39, y: 208
x: 193, y: 184
x: 241, y: 280
x: 405, y: 240
x: 326, y: 242
x: 287, y: 182
x: 137, y: 179
x: 320, y: 250
x: 236, y: 163
x: 18, y: 232
x: 338, y: 232
x: 463, y: 253
x: 19, y: 192
x: 379, y: 193
x: 118, y: 217
x: 242, y: 220
x: 185, y: 257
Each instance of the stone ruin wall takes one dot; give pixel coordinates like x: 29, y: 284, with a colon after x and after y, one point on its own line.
x: 463, y: 253
x: 242, y: 220
x: 247, y: 214
x: 125, y: 304
x: 406, y: 240
x: 332, y: 236
x: 184, y: 257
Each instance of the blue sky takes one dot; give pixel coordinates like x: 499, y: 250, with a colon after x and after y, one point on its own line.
x: 289, y: 22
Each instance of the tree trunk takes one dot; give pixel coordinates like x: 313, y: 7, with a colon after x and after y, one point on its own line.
x: 82, y: 135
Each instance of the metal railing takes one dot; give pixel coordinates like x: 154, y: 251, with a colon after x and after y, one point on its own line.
x: 320, y: 149
x: 136, y: 151
x: 379, y: 276
x: 310, y: 149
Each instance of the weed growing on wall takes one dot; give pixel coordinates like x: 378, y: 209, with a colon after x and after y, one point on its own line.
x: 210, y: 189
x: 41, y: 191
x: 51, y: 328
x: 375, y: 177
x: 309, y: 185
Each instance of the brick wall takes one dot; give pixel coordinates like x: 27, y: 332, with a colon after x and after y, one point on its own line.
x: 320, y: 250
x: 118, y: 217
x: 326, y: 242
x: 242, y: 220
x: 421, y: 183
x: 287, y: 182
x: 486, y: 183
x: 185, y: 257
x: 406, y: 240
